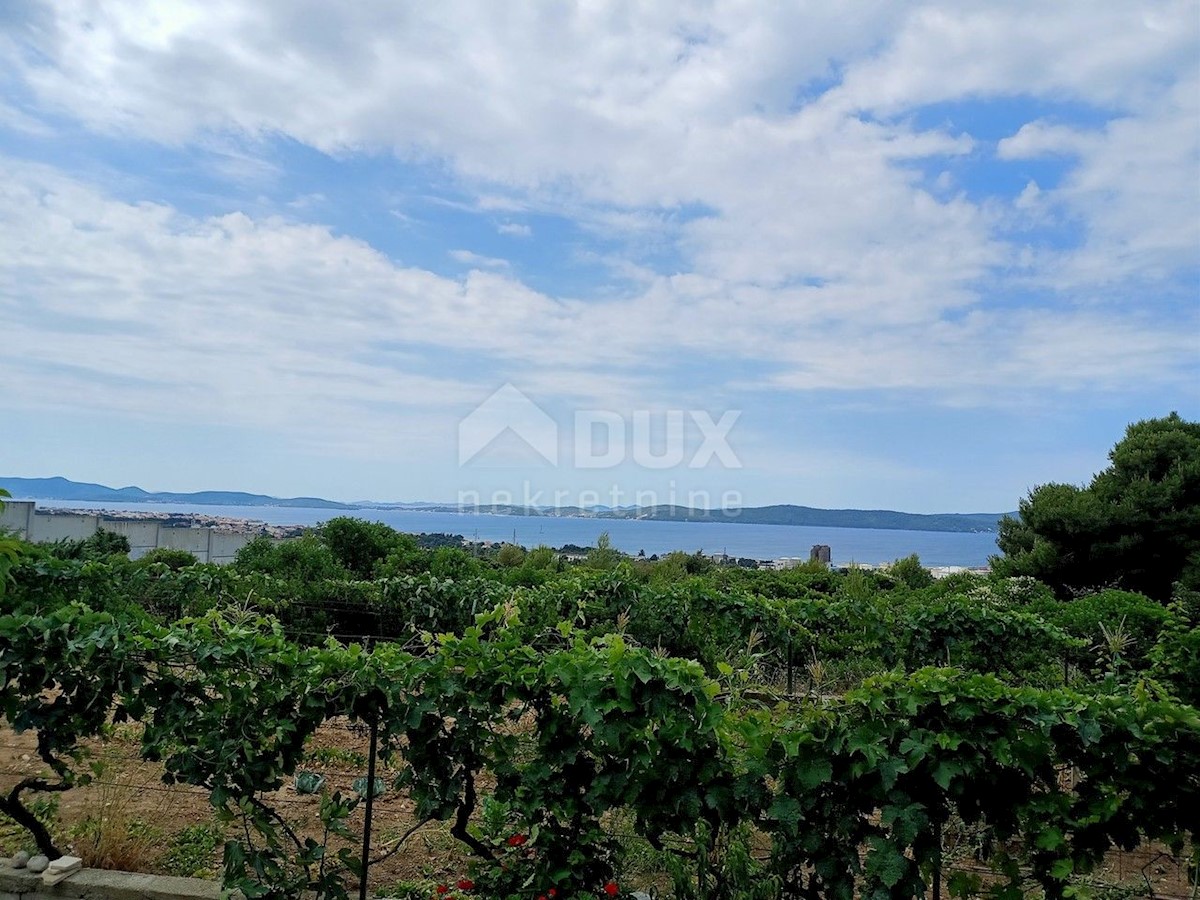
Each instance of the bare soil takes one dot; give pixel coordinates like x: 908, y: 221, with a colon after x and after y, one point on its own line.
x: 128, y: 819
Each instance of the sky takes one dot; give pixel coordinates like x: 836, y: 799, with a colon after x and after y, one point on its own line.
x: 918, y: 256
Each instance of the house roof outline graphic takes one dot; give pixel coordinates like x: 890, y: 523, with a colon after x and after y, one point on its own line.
x: 507, y: 409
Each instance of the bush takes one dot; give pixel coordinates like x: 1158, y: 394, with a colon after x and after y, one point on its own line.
x: 454, y: 563
x: 406, y: 557
x: 510, y: 556
x: 909, y: 572
x: 303, y: 559
x: 956, y: 631
x: 1097, y: 618
x: 540, y: 564
x: 100, y: 545
x: 171, y: 558
x: 1176, y: 655
x: 359, y: 546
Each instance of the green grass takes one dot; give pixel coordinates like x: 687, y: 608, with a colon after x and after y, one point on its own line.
x: 193, y: 851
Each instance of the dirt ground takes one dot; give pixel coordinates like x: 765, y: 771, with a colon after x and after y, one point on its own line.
x: 128, y: 819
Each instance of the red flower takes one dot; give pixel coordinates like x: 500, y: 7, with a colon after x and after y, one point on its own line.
x: 611, y: 889
x: 553, y: 892
x: 517, y: 840
x: 541, y: 897
x: 443, y: 889
x: 465, y: 884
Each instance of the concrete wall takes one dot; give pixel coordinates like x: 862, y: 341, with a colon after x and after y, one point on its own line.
x: 97, y: 884
x: 206, y: 544
x: 47, y: 529
x: 193, y: 540
x: 223, y: 545
x: 142, y: 536
x: 17, y: 516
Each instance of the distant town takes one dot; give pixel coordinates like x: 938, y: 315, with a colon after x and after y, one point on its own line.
x: 197, y: 532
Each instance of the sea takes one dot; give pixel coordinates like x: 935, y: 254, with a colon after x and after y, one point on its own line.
x: 868, y: 546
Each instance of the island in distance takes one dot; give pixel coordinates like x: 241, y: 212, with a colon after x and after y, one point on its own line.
x: 59, y: 488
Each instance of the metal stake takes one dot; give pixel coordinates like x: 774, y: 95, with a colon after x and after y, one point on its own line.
x: 366, y: 852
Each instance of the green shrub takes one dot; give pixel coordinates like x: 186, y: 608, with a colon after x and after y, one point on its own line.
x: 359, y: 546
x: 405, y: 557
x: 1175, y: 657
x: 454, y: 563
x: 302, y: 559
x: 909, y: 572
x: 171, y: 558
x: 100, y: 545
x: 1097, y: 618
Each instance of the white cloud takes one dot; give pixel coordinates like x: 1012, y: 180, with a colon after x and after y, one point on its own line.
x: 1135, y: 190
x: 470, y: 258
x: 538, y: 94
x: 582, y: 109
x: 776, y: 151
x: 1043, y: 139
x: 1112, y: 54
x: 280, y: 324
x: 18, y: 120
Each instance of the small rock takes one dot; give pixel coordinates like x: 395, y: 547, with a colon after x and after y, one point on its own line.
x: 38, y: 864
x: 61, y: 869
x: 20, y: 859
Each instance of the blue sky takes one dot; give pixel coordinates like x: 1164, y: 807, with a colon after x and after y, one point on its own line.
x: 932, y: 254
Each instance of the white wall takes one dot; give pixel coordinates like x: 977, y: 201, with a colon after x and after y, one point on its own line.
x: 206, y: 544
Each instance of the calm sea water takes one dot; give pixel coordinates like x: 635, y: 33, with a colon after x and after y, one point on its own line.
x: 863, y: 545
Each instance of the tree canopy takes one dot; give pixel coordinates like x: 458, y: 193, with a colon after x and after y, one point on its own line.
x: 1135, y: 526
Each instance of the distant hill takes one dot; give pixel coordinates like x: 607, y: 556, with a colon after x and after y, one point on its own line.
x: 885, y: 519
x: 65, y: 489
x: 788, y: 514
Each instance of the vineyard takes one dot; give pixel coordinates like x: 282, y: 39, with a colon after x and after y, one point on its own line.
x: 546, y: 729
